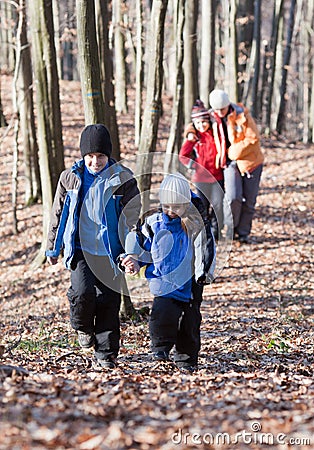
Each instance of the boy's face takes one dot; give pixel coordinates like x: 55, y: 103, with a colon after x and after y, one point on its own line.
x: 202, y: 125
x: 96, y: 161
x: 173, y: 210
x: 222, y: 112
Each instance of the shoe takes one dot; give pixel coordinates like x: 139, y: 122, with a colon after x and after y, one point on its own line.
x: 161, y: 356
x: 187, y: 369
x: 107, y: 363
x: 244, y: 239
x: 86, y: 340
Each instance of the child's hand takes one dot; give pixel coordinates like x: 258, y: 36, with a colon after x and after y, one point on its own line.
x: 131, y: 266
x: 191, y: 137
x: 52, y: 260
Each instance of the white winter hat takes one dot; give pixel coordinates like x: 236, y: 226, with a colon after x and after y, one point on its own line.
x: 218, y: 99
x: 174, y: 190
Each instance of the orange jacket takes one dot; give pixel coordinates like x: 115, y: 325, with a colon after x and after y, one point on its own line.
x: 244, y: 139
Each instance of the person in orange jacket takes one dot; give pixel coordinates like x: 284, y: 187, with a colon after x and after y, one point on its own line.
x: 199, y: 153
x: 238, y: 145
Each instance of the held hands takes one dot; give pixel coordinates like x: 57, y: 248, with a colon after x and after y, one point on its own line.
x: 52, y: 260
x: 203, y: 280
x: 130, y: 265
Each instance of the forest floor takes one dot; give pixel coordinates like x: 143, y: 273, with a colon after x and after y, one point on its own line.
x: 254, y: 387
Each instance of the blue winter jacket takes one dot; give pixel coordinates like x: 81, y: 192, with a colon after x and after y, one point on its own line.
x: 113, y: 204
x: 172, y: 257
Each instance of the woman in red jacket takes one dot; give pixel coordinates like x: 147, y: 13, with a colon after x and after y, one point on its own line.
x: 199, y: 153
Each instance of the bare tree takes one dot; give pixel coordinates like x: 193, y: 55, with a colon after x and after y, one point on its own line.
x: 25, y: 108
x: 230, y: 49
x: 119, y: 52
x: 139, y: 76
x: 175, y: 135
x: 89, y: 62
x: 267, y: 93
x: 48, y: 108
x: 255, y: 102
x: 106, y: 67
x: 190, y: 61
x: 153, y: 98
x: 207, y: 61
x: 286, y: 62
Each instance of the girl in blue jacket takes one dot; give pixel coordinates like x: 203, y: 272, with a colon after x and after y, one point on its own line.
x: 179, y: 253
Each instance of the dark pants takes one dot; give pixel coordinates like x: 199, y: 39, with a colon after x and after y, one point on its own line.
x: 212, y: 196
x: 174, y: 323
x: 94, y: 306
x: 240, y: 198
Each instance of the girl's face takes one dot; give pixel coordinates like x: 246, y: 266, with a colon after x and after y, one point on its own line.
x: 202, y: 125
x: 96, y: 161
x: 174, y: 211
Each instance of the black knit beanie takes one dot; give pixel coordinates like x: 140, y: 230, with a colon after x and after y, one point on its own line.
x: 95, y: 139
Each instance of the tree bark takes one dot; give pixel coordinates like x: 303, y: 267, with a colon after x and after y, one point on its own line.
x: 51, y: 159
x: 106, y: 67
x: 89, y: 68
x: 284, y: 72
x: 153, y: 99
x: 175, y: 135
x: 190, y: 62
x: 207, y: 75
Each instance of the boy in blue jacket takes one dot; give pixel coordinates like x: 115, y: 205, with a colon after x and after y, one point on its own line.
x: 96, y: 204
x: 179, y: 254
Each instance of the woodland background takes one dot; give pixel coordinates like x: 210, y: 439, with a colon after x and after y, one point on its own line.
x: 256, y: 361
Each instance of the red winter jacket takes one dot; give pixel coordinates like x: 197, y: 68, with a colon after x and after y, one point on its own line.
x: 201, y: 155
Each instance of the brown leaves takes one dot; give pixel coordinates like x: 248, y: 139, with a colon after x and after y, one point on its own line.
x: 256, y: 359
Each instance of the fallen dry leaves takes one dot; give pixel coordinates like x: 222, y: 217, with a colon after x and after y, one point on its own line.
x: 254, y: 388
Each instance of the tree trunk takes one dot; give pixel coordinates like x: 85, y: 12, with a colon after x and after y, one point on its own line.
x: 190, y: 62
x: 255, y: 104
x: 25, y: 108
x: 119, y: 53
x: 268, y: 93
x: 175, y: 136
x: 139, y: 76
x: 207, y: 75
x: 106, y: 65
x: 93, y: 103
x: 153, y: 99
x: 3, y: 122
x: 286, y: 62
x: 51, y: 159
x: 231, y: 64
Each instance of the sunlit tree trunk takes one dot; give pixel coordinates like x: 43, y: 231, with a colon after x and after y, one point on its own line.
x: 119, y: 57
x: 272, y: 63
x: 207, y: 75
x: 310, y: 67
x: 139, y: 76
x: 25, y: 107
x: 255, y: 105
x: 3, y: 122
x: 106, y: 67
x: 153, y: 99
x: 231, y: 52
x: 286, y: 62
x: 175, y: 136
x: 93, y: 103
x: 48, y: 108
x: 8, y: 10
x: 190, y: 61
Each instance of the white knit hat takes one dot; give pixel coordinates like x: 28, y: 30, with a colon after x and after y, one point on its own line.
x: 174, y: 190
x: 218, y: 99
